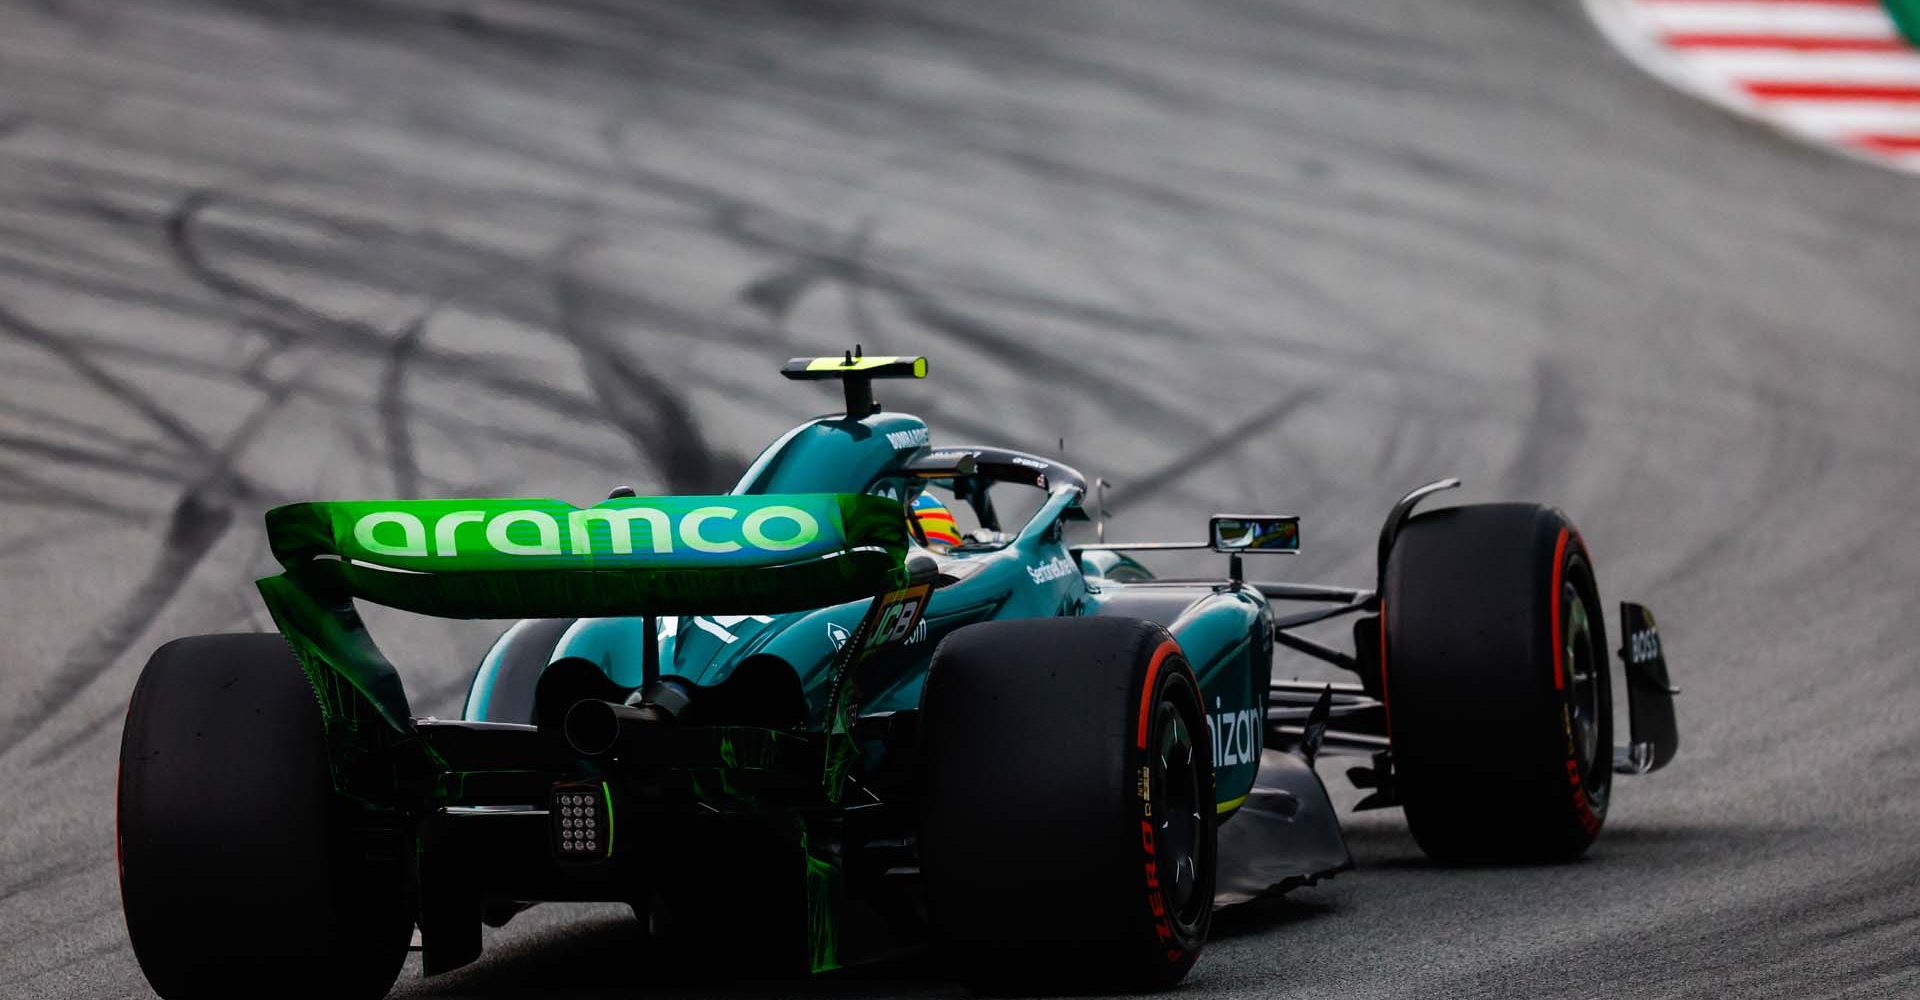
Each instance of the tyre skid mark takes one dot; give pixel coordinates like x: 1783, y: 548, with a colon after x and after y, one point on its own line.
x: 198, y: 520
x: 854, y: 270
x: 1551, y: 435
x: 26, y: 489
x: 817, y: 264
x: 42, y: 873
x: 116, y: 388
x: 643, y: 406
x: 1793, y: 455
x: 393, y: 407
x: 121, y: 445
x: 119, y: 460
x: 303, y: 323
x: 439, y: 419
x: 1218, y: 447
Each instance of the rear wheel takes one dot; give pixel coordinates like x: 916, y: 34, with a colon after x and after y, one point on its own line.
x: 240, y: 871
x: 1068, y: 828
x: 503, y: 685
x: 1496, y: 674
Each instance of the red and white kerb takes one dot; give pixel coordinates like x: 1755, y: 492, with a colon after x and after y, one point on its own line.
x: 1833, y: 72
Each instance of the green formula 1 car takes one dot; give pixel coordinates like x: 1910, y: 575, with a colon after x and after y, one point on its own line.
x: 872, y: 700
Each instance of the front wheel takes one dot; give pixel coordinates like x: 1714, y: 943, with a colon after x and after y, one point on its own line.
x: 1068, y: 830
x: 241, y: 874
x: 1495, y: 666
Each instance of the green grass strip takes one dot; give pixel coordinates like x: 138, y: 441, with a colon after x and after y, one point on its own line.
x: 1906, y: 14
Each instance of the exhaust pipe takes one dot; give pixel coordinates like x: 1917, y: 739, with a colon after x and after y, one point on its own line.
x: 593, y: 728
x: 596, y: 728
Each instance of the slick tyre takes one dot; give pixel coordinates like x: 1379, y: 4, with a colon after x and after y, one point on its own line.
x: 240, y: 873
x: 1067, y: 833
x: 1494, y: 663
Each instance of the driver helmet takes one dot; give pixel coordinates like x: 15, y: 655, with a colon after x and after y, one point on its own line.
x: 935, y: 522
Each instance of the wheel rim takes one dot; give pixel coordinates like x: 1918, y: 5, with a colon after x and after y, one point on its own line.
x: 1586, y: 688
x: 1179, y: 841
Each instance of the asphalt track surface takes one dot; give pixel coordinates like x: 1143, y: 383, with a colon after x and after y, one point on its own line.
x: 1238, y: 254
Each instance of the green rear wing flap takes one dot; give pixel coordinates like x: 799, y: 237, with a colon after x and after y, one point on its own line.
x: 549, y: 559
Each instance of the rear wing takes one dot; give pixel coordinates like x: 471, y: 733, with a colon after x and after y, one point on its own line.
x: 548, y: 559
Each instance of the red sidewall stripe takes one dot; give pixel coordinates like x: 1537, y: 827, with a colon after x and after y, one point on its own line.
x: 1168, y: 648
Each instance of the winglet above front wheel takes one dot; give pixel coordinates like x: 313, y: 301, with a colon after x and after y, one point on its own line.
x: 1655, y: 735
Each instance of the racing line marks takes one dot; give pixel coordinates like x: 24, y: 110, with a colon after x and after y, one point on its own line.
x: 1217, y: 446
x: 650, y: 412
x: 201, y: 516
x: 393, y: 406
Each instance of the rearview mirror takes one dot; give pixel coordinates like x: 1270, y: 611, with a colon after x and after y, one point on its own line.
x: 1240, y: 533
